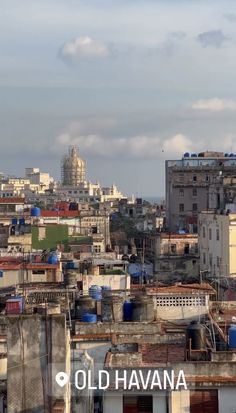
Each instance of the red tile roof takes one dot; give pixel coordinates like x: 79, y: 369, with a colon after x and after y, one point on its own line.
x: 182, y: 289
x: 12, y: 200
x: 64, y: 214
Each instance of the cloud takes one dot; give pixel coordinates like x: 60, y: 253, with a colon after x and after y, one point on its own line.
x: 128, y: 147
x: 83, y: 48
x: 214, y: 105
x: 169, y: 46
x: 231, y: 17
x: 178, y: 35
x: 212, y: 38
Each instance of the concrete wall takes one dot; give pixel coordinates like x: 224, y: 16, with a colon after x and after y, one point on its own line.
x: 116, y: 282
x: 10, y: 277
x: 227, y: 400
x: 113, y: 402
x: 181, y: 313
x: 38, y: 349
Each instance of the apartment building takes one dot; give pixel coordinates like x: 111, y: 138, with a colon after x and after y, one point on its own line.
x: 187, y: 186
x: 217, y: 243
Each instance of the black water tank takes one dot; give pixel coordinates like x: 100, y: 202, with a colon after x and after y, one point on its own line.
x: 84, y: 304
x: 197, y: 333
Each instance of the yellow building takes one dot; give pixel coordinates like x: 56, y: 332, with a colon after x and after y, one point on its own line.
x: 217, y: 244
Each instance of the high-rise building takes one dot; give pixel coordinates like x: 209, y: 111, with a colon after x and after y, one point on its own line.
x: 187, y: 186
x: 73, y: 168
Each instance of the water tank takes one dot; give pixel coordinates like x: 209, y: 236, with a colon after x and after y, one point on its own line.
x: 14, y: 221
x: 193, y: 155
x: 70, y: 279
x: 226, y: 155
x: 35, y: 212
x: 83, y: 305
x: 128, y: 310
x: 106, y: 291
x: 95, y: 291
x: 22, y: 221
x: 197, y: 333
x: 89, y: 318
x: 231, y: 155
x: 112, y: 309
x: 186, y: 155
x: 232, y: 336
x: 70, y: 265
x: 53, y: 259
x: 143, y: 309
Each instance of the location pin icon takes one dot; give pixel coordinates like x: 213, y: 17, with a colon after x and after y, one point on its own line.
x: 62, y: 378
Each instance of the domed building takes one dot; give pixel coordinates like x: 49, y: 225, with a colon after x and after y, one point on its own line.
x: 73, y: 168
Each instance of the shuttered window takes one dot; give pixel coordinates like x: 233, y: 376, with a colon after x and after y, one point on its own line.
x: 137, y: 404
x: 204, y: 401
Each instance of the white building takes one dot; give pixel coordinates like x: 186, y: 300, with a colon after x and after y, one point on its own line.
x: 217, y: 244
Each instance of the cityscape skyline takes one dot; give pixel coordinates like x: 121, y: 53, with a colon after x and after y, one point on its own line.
x: 130, y: 83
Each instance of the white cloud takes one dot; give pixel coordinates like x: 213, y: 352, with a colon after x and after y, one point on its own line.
x: 214, y: 105
x: 129, y: 147
x: 83, y: 48
x: 178, y: 144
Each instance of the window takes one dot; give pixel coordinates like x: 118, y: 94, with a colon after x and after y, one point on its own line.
x: 210, y: 260
x: 173, y: 248
x: 207, y: 178
x: 218, y: 262
x: 194, y: 178
x: 204, y: 232
x: 186, y: 248
x: 217, y: 234
x: 204, y: 258
x: 37, y: 272
x: 97, y: 248
x: 181, y: 177
x: 210, y: 233
x: 137, y: 404
x: 195, y: 207
x: 181, y: 192
x: 181, y: 207
x: 194, y: 192
x: 196, y: 248
x: 204, y: 401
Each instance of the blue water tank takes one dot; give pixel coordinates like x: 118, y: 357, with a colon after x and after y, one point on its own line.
x: 14, y: 221
x: 194, y: 155
x: 70, y: 265
x: 128, y: 311
x: 22, y: 221
x: 89, y: 318
x: 106, y: 288
x: 35, y: 212
x: 231, y: 155
x: 95, y: 291
x: 226, y: 155
x: 186, y: 155
x: 232, y: 336
x: 53, y: 259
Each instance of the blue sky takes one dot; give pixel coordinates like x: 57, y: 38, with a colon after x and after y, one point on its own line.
x: 132, y: 83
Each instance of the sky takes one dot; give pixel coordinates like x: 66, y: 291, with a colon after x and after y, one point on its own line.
x: 130, y: 82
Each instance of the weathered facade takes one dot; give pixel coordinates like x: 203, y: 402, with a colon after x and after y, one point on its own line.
x: 187, y: 186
